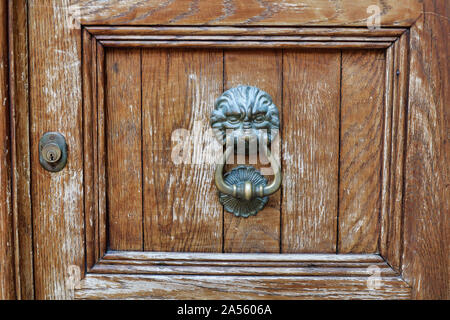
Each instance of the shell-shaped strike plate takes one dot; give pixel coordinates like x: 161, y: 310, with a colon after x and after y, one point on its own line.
x: 240, y: 207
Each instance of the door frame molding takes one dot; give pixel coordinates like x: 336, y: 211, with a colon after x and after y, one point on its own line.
x: 96, y: 40
x: 417, y: 205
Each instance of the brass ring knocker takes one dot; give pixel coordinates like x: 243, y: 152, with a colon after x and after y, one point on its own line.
x: 248, y: 190
x: 248, y: 114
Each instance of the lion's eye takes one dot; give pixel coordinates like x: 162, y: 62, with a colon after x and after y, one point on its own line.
x: 260, y: 118
x: 233, y: 119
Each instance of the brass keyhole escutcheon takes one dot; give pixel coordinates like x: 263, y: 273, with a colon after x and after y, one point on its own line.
x: 53, y: 151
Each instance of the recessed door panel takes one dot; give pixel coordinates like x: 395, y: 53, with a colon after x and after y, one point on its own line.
x: 160, y: 172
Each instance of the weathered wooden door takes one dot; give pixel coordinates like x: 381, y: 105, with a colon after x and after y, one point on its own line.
x: 129, y: 82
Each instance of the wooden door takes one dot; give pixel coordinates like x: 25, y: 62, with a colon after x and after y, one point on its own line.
x: 124, y: 81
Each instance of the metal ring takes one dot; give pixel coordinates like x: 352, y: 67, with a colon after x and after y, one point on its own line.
x: 232, y: 190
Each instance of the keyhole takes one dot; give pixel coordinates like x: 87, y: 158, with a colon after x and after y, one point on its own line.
x: 51, y: 153
x: 51, y: 156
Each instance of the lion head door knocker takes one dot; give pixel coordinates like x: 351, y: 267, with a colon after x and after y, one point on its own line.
x: 245, y: 116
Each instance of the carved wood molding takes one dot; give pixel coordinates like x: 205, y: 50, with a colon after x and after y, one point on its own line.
x: 100, y: 262
x: 248, y: 37
x: 138, y: 275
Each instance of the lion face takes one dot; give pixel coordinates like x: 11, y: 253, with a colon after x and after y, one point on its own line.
x: 245, y: 112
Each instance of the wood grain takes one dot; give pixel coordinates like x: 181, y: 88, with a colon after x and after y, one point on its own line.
x: 309, y: 33
x: 123, y: 147
x: 391, y: 236
x: 425, y: 262
x: 260, y: 233
x: 387, y: 143
x: 104, y: 286
x: 55, y: 105
x: 127, y: 267
x: 189, y: 12
x: 181, y: 208
x: 102, y: 152
x: 90, y: 139
x: 283, y: 258
x: 20, y: 147
x: 311, y: 81
x: 7, y: 273
x: 362, y: 95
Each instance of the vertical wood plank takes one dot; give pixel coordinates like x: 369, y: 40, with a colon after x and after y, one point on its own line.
x: 123, y: 145
x: 18, y: 38
x: 426, y: 208
x: 182, y: 211
x: 262, y: 69
x: 362, y: 97
x: 55, y: 105
x: 7, y: 285
x: 311, y: 82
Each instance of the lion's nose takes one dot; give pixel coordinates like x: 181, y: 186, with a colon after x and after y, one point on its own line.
x: 247, y: 125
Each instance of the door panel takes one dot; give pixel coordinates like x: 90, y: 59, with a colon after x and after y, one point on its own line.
x: 179, y: 209
x: 120, y: 83
x: 331, y: 133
